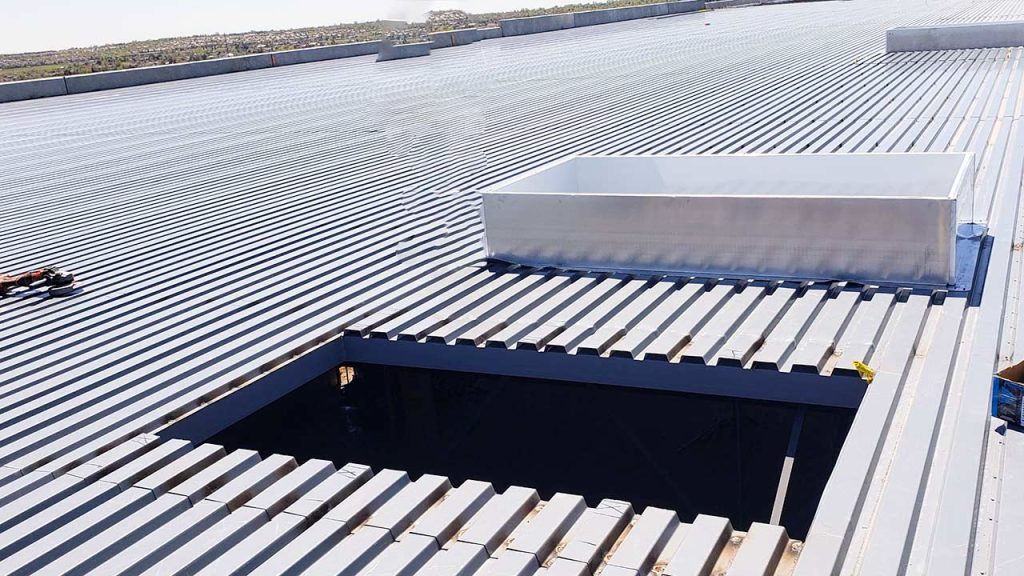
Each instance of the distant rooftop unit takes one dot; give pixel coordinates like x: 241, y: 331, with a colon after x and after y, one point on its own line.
x: 959, y: 36
x: 873, y: 218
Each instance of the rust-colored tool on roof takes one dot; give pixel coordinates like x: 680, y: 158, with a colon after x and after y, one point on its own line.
x: 60, y: 283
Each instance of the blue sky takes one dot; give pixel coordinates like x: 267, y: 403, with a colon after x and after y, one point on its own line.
x: 33, y: 25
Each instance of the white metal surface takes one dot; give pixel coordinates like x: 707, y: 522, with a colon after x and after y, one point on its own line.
x: 167, y: 508
x: 875, y: 218
x: 182, y: 206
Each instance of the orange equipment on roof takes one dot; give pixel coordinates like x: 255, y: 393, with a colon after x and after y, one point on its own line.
x: 61, y: 283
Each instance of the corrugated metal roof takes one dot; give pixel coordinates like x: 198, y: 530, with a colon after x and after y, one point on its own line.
x: 151, y: 507
x: 221, y: 225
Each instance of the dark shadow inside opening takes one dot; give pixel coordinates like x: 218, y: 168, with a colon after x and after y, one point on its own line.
x: 690, y: 453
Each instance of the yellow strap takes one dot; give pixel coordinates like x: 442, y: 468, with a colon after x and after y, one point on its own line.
x: 867, y: 373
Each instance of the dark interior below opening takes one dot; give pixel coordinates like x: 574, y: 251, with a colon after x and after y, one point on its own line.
x: 690, y: 453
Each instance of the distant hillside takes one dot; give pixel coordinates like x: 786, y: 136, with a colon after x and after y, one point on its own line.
x: 203, y: 47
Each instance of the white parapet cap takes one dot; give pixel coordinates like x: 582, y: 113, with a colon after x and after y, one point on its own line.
x: 955, y: 36
x: 871, y: 218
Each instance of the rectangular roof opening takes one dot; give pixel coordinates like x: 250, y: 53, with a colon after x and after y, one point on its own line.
x: 693, y: 454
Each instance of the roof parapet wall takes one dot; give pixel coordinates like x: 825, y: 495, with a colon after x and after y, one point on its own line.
x: 77, y: 84
x: 552, y: 22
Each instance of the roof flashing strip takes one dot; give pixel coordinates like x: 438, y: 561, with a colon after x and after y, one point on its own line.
x: 872, y: 218
x: 955, y: 36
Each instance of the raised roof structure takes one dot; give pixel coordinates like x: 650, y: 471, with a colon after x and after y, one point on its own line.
x: 874, y: 218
